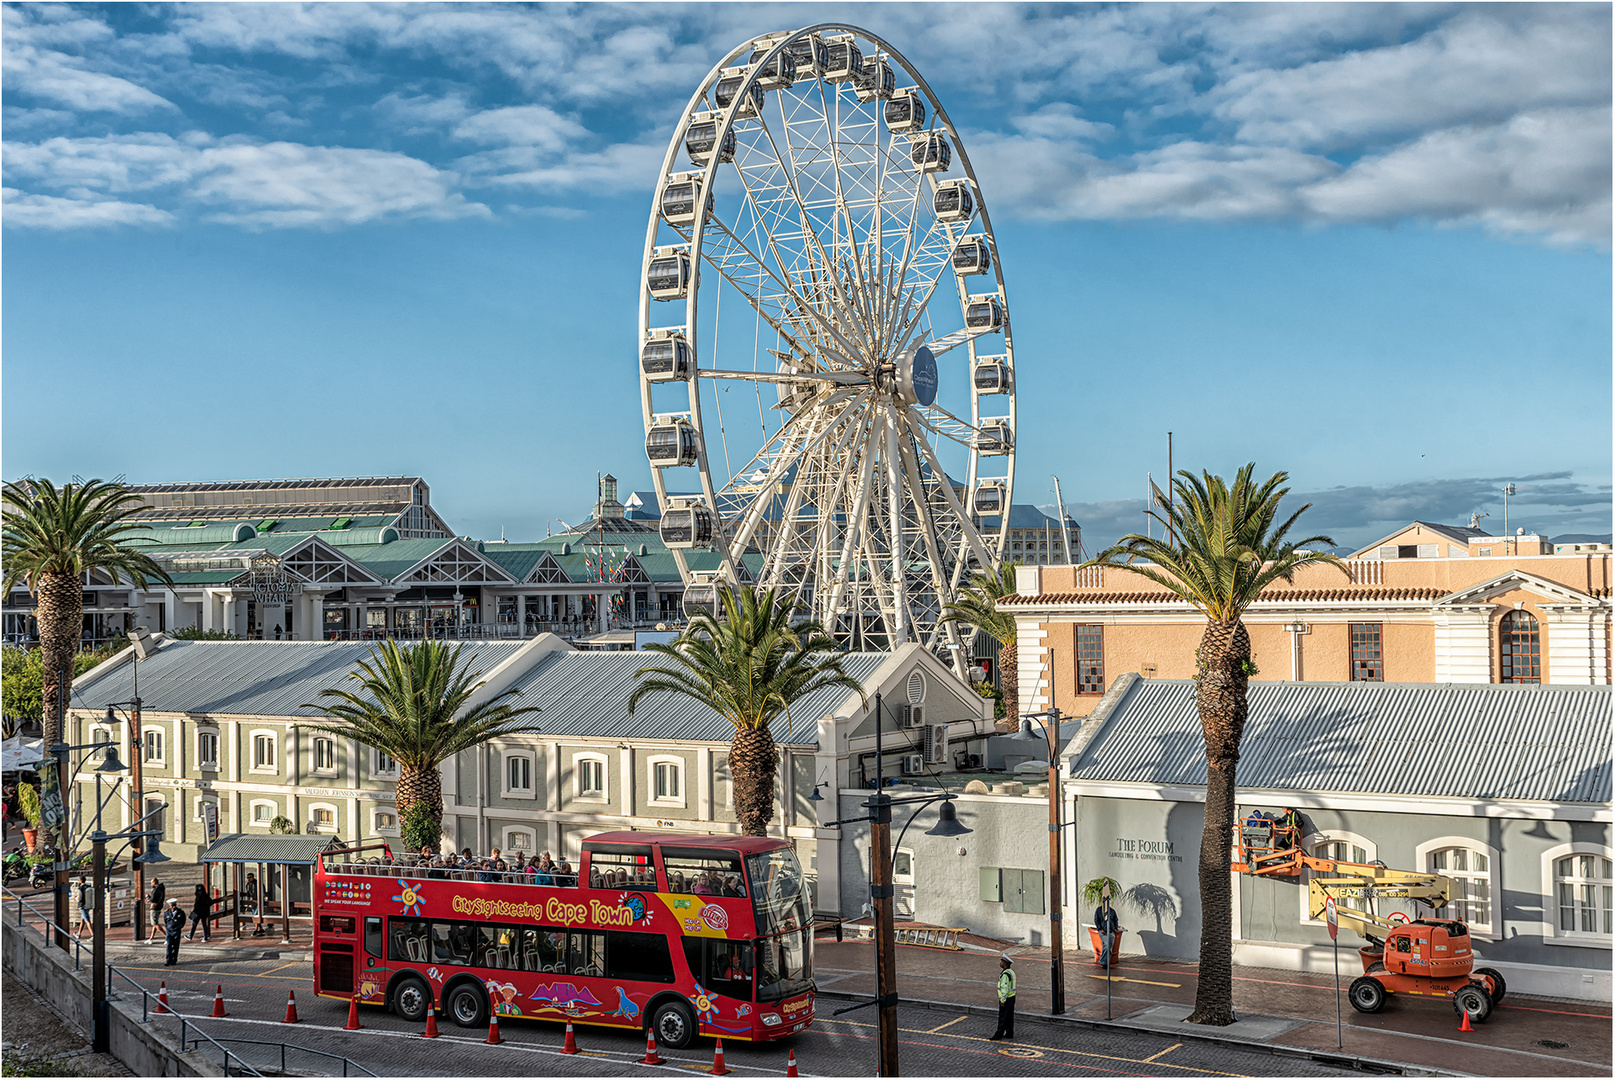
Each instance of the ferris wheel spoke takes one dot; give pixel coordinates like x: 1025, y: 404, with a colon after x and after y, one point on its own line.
x: 801, y: 485
x: 973, y: 538
x: 929, y: 534
x: 774, y: 446
x: 806, y: 441
x: 833, y: 378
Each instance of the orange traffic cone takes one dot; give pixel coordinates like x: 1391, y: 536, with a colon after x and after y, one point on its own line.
x: 353, y: 1014
x: 651, y: 1056
x: 493, y: 1029
x: 431, y: 1023
x: 218, y: 1001
x: 1465, y: 1025
x: 291, y: 1008
x: 790, y: 1065
x: 571, y: 1044
x: 162, y: 997
x: 718, y: 1068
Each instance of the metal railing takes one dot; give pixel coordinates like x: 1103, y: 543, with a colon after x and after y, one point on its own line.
x: 189, y: 1034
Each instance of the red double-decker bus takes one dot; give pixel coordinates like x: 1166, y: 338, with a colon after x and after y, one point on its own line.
x: 686, y: 935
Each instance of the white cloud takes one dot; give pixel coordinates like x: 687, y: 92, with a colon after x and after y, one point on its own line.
x: 522, y: 125
x: 51, y: 212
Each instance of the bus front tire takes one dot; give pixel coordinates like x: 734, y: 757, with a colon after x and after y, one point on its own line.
x: 467, y: 1006
x: 410, y: 999
x: 673, y: 1025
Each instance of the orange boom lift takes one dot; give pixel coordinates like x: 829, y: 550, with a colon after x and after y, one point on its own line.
x: 1423, y: 957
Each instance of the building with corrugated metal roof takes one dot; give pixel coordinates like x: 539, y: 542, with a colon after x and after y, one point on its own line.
x: 221, y: 724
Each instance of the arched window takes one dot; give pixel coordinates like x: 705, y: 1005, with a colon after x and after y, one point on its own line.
x: 1341, y: 846
x: 1520, y: 648
x: 1472, y: 866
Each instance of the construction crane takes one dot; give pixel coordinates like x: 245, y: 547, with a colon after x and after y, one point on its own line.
x: 1423, y: 957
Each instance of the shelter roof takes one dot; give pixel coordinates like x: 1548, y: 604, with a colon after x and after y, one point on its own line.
x: 247, y: 678
x: 275, y: 848
x: 585, y: 694
x: 1537, y: 743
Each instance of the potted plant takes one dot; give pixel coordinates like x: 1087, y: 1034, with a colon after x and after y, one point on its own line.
x: 28, y: 803
x: 282, y: 825
x: 1093, y: 894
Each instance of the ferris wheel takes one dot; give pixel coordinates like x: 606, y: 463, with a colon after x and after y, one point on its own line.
x: 827, y: 377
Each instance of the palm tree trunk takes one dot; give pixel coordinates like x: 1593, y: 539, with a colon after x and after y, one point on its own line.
x: 753, y: 762
x: 59, y: 613
x: 418, y: 786
x: 1224, y: 671
x: 1009, y: 669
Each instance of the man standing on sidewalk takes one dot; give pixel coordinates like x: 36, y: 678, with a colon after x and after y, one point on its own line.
x: 173, y: 927
x: 154, y: 904
x: 1006, y: 998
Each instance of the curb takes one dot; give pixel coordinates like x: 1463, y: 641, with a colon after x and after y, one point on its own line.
x: 1338, y: 1059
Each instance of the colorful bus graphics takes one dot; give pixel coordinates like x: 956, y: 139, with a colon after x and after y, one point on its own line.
x: 686, y: 935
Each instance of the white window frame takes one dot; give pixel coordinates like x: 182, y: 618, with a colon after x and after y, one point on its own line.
x: 1551, y: 934
x: 196, y: 808
x: 529, y: 831
x: 1306, y: 875
x: 218, y: 748
x: 505, y: 759
x: 377, y: 828
x: 676, y: 764
x: 252, y: 813
x: 319, y: 829
x: 376, y: 771
x: 147, y: 730
x: 604, y: 794
x: 1422, y: 855
x: 273, y: 736
x: 314, y: 766
x: 149, y: 797
x: 724, y: 779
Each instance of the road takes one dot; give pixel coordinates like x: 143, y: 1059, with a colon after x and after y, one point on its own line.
x: 932, y: 1043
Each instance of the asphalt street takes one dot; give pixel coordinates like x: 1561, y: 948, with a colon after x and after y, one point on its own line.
x: 932, y: 1043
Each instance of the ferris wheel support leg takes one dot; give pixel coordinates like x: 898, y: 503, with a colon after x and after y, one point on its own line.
x: 899, y: 563
x: 855, y: 523
x: 928, y: 530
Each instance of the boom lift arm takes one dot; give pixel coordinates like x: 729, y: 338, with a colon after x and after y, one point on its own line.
x: 1371, y: 881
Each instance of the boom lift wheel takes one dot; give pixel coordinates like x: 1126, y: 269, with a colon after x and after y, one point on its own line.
x: 1499, y: 986
x: 1366, y: 994
x: 1474, y: 1000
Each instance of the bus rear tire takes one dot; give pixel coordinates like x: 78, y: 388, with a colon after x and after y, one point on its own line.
x: 467, y: 1006
x: 673, y: 1024
x: 411, y: 996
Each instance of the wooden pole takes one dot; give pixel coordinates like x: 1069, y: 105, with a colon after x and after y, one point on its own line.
x: 1051, y: 725
x: 236, y: 917
x: 880, y: 837
x: 285, y: 904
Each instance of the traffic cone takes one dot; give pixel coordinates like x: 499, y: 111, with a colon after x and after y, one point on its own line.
x: 353, y: 1014
x: 718, y: 1068
x: 218, y: 1001
x: 493, y: 1029
x: 651, y: 1056
x: 571, y: 1044
x: 790, y: 1065
x: 162, y: 998
x: 291, y: 1008
x: 431, y: 1023
x: 1465, y: 1025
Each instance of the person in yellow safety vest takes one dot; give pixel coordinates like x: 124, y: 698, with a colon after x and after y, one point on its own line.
x: 1290, y: 822
x: 1006, y: 998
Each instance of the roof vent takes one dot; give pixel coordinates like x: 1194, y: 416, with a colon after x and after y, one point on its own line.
x: 916, y: 688
x: 644, y: 549
x: 566, y: 549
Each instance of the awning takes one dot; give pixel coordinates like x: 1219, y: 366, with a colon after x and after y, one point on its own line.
x: 274, y: 848
x: 19, y: 753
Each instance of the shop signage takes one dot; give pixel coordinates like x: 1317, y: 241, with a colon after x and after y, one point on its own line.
x: 1147, y: 850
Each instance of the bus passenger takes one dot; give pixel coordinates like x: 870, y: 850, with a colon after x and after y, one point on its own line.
x: 566, y: 876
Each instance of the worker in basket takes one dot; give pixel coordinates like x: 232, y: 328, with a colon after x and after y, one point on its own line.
x: 1287, y: 833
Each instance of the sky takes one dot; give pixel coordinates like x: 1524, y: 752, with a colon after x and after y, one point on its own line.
x: 1365, y: 244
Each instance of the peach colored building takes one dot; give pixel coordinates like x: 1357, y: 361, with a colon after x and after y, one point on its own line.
x: 1427, y: 604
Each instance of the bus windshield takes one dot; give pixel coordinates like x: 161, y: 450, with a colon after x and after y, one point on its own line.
x: 784, y: 965
x: 777, y: 893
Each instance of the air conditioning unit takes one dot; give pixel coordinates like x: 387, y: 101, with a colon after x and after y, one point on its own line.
x: 913, y: 764
x: 911, y: 716
x: 936, y: 744
x: 975, y: 761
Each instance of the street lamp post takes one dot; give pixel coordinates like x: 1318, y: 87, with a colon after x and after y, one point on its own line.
x: 100, y: 1030
x: 1051, y: 729
x: 65, y: 830
x: 137, y: 796
x: 881, y: 896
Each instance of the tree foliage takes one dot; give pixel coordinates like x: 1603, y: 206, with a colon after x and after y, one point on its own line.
x: 977, y: 605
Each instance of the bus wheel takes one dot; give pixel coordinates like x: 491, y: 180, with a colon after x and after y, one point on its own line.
x: 674, y: 1025
x: 467, y: 1006
x: 410, y: 999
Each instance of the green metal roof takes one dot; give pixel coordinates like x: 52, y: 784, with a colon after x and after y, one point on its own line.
x: 225, y: 532
x: 275, y: 848
x: 390, y: 561
x: 207, y: 577
x: 517, y: 560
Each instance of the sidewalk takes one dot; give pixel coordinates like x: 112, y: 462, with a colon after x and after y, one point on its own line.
x: 1286, y: 1011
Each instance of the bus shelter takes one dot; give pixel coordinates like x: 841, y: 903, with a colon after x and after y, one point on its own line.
x: 273, y: 876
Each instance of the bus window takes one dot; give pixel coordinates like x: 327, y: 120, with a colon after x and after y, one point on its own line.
x: 585, y: 953
x: 726, y: 967
x: 452, y: 943
x: 640, y: 957
x: 784, y: 966
x: 409, y: 940
x: 621, y: 866
x: 703, y: 871
x: 372, y: 935
x: 551, y: 950
x: 778, y: 895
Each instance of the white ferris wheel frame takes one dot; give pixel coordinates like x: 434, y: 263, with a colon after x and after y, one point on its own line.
x: 907, y: 452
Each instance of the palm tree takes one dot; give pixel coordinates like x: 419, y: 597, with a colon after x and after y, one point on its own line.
x: 411, y: 706
x: 1224, y: 549
x: 52, y: 538
x: 976, y: 606
x: 748, y: 667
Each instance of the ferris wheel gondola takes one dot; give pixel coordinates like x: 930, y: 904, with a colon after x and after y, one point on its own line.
x: 840, y: 216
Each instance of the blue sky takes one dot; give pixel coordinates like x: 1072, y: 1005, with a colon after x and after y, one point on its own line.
x: 1368, y: 244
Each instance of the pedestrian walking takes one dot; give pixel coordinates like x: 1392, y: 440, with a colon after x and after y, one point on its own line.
x: 199, y: 909
x: 1105, y: 921
x: 1006, y: 998
x: 173, y: 927
x: 154, y: 903
x: 85, y: 894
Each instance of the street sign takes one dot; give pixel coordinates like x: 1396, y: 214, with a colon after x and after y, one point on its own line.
x: 1332, y: 917
x: 210, y: 821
